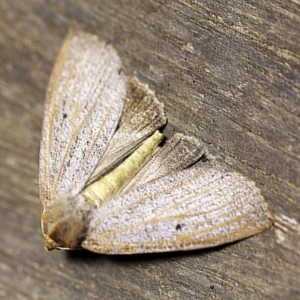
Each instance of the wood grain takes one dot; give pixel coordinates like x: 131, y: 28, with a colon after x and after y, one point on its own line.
x: 228, y: 73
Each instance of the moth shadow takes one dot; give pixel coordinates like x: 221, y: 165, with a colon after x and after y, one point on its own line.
x: 87, y: 256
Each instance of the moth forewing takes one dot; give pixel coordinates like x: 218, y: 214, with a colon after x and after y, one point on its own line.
x: 195, y: 208
x: 83, y: 106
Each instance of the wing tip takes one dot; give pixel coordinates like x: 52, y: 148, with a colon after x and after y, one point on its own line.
x: 134, y: 85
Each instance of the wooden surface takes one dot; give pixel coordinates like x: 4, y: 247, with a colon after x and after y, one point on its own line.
x: 228, y: 73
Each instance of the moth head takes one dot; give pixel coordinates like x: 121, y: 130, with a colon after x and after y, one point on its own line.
x: 65, y: 222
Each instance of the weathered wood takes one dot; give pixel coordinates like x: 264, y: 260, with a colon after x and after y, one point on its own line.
x: 228, y: 73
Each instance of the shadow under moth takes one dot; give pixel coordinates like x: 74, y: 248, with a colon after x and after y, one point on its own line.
x: 105, y: 183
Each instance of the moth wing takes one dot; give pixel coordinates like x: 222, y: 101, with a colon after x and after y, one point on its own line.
x: 143, y: 114
x: 84, y: 102
x: 178, y: 153
x: 195, y: 208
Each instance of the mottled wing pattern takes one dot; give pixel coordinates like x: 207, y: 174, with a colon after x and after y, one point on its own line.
x: 142, y: 116
x: 195, y: 208
x: 84, y: 103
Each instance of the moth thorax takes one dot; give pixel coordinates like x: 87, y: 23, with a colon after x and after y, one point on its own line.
x: 66, y: 221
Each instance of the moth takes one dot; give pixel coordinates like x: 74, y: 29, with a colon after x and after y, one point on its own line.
x: 105, y: 183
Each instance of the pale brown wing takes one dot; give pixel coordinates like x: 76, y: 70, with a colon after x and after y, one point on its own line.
x: 178, y: 153
x: 84, y: 102
x: 195, y: 208
x: 142, y: 116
